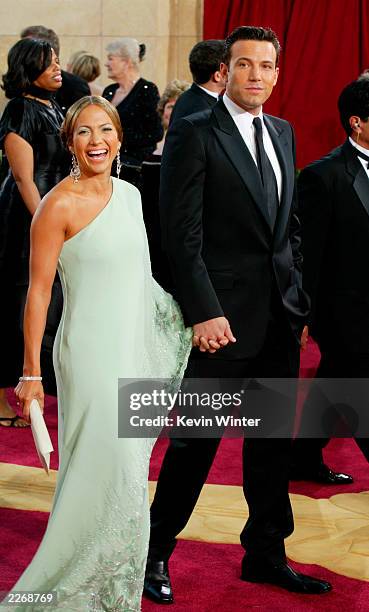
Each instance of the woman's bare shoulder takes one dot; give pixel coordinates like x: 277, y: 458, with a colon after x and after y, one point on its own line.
x: 60, y: 196
x: 58, y: 200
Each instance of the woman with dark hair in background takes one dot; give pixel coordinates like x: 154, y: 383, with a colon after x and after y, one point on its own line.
x: 136, y: 101
x: 29, y: 137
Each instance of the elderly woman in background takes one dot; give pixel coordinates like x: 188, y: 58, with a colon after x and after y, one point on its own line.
x: 173, y: 90
x: 30, y: 139
x: 86, y: 66
x: 136, y: 101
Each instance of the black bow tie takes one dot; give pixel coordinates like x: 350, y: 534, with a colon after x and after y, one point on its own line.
x: 363, y: 156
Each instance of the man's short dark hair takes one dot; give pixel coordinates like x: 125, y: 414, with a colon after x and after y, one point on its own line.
x: 250, y: 33
x: 42, y: 33
x: 354, y: 101
x: 205, y: 59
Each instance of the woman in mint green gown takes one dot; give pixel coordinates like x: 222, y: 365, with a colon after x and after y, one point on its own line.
x: 117, y: 322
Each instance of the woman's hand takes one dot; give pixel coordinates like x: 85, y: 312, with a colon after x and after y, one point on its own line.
x: 212, y: 335
x: 28, y: 390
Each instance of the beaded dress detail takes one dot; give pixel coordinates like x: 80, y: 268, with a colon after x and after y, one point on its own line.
x: 117, y: 322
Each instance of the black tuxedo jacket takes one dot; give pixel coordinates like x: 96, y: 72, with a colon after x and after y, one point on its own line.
x: 192, y: 101
x: 225, y: 258
x: 73, y: 88
x: 334, y: 208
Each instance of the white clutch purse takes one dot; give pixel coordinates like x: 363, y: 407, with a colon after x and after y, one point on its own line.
x: 40, y: 435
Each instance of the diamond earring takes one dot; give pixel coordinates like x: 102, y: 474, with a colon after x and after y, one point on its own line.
x: 119, y: 163
x: 75, y: 171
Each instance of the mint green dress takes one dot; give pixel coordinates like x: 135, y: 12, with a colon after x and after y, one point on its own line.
x: 117, y: 322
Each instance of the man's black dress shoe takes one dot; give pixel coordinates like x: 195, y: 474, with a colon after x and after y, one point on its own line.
x: 323, y: 475
x: 157, y: 582
x: 285, y: 577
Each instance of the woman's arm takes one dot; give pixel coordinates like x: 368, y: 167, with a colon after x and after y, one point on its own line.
x: 20, y: 157
x: 47, y: 237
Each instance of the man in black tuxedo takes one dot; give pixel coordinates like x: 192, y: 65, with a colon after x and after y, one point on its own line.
x: 232, y: 235
x: 73, y: 87
x: 334, y: 209
x: 207, y: 84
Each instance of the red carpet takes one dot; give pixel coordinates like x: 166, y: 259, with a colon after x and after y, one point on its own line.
x: 17, y: 446
x: 205, y: 576
x: 341, y: 455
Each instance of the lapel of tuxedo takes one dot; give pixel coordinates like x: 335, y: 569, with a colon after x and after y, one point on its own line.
x: 360, y: 177
x: 236, y: 150
x: 281, y: 144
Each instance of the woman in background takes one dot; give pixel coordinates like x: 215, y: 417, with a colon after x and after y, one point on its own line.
x: 136, y: 100
x: 30, y: 139
x: 86, y: 66
x: 171, y: 93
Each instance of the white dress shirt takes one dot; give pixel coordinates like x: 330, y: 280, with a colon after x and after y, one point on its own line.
x: 363, y: 162
x: 243, y: 121
x: 210, y: 93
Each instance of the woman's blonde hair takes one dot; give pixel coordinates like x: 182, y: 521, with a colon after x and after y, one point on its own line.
x: 68, y: 125
x: 85, y: 65
x: 173, y: 90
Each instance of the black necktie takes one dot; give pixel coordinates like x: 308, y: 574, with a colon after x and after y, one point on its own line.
x: 266, y: 173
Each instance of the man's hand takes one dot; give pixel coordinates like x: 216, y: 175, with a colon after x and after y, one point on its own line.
x: 212, y: 335
x: 304, y: 338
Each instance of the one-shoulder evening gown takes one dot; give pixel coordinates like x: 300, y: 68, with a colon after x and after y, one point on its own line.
x: 117, y: 322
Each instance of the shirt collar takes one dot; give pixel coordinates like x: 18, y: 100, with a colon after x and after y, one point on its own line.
x: 359, y: 147
x: 237, y: 112
x: 210, y: 93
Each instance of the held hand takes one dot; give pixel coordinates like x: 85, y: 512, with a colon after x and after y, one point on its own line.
x: 212, y: 335
x: 26, y: 392
x: 304, y: 338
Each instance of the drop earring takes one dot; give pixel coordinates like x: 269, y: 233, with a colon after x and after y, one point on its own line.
x: 119, y: 163
x: 357, y: 125
x: 75, y: 171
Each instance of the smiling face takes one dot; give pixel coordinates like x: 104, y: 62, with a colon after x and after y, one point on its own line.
x: 51, y: 78
x: 251, y: 74
x: 95, y: 141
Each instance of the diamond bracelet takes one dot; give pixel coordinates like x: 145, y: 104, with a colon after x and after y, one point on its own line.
x: 25, y: 378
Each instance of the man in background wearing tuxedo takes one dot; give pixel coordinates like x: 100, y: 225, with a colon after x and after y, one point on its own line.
x: 334, y: 211
x: 207, y: 84
x: 230, y: 227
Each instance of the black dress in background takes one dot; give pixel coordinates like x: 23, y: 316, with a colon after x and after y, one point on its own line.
x: 150, y: 187
x: 39, y: 125
x: 142, y: 128
x: 73, y: 88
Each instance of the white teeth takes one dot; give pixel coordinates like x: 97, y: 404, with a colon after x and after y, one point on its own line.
x: 99, y: 152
